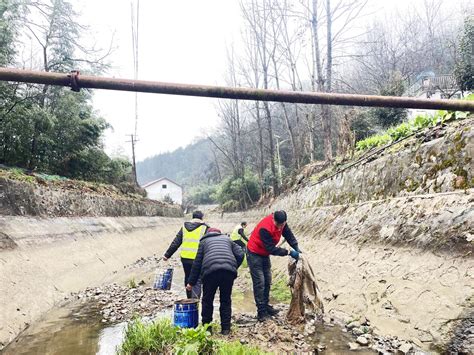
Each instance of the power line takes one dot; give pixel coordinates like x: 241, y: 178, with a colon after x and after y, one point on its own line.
x: 135, y: 22
x: 135, y: 15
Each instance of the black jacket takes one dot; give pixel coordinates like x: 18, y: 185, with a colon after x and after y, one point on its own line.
x: 216, y: 253
x: 242, y: 234
x: 178, y: 240
x: 270, y: 245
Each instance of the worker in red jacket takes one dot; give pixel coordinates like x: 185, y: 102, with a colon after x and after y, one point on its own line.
x: 263, y: 243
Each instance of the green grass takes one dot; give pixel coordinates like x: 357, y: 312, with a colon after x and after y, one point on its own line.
x: 17, y: 175
x: 132, y: 283
x: 406, y: 128
x: 280, y: 291
x: 235, y: 348
x: 161, y: 337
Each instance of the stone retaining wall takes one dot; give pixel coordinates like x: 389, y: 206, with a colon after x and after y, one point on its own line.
x: 444, y: 163
x: 19, y: 198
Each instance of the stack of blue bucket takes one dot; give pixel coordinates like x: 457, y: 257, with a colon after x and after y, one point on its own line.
x: 186, y: 313
x: 163, y: 280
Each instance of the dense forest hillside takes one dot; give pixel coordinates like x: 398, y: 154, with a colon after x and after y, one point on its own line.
x: 188, y: 166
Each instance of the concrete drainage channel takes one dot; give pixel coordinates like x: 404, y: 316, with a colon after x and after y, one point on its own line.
x: 51, y: 258
x: 93, y: 321
x: 85, y: 326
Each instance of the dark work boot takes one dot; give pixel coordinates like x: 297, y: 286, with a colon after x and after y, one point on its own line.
x: 225, y: 331
x: 272, y: 311
x: 263, y: 316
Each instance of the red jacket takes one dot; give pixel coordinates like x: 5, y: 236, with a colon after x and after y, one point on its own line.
x: 255, y: 244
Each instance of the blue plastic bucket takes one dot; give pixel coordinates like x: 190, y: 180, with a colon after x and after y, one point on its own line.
x: 186, y: 313
x: 163, y: 280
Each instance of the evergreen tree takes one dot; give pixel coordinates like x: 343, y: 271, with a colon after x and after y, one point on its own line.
x: 464, y: 70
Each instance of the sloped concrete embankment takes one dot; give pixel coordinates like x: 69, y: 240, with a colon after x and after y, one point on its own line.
x: 43, y: 260
x: 23, y: 198
x: 392, y: 240
x: 440, y: 160
x: 382, y: 261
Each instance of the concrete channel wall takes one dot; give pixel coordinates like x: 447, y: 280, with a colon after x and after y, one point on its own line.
x: 406, y: 264
x: 44, y: 260
x: 403, y: 259
x: 25, y: 198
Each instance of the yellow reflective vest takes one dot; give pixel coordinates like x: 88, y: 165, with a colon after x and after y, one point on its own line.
x: 235, y: 236
x: 190, y: 244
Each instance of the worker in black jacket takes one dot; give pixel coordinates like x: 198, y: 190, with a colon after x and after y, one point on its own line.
x: 188, y: 239
x: 217, y: 261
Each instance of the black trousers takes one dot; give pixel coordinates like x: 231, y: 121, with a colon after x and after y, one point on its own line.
x: 196, y: 291
x: 261, y: 272
x: 240, y: 243
x: 222, y: 280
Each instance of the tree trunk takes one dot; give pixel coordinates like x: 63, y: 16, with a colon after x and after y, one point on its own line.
x: 327, y: 111
x: 261, y: 165
x: 287, y: 120
x: 276, y: 190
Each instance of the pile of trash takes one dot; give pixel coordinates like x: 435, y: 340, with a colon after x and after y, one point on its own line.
x: 305, y: 292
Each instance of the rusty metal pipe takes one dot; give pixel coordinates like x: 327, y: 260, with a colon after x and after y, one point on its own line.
x: 76, y: 82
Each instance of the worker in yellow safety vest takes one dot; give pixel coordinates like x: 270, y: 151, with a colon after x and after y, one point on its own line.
x: 188, y: 239
x: 238, y: 235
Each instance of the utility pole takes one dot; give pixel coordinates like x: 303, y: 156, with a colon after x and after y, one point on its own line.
x: 133, y: 140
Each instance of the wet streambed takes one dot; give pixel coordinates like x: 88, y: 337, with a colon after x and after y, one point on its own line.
x: 78, y: 328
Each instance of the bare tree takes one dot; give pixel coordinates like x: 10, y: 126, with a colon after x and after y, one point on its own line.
x: 327, y: 16
x: 256, y: 15
x: 285, y: 42
x: 252, y: 77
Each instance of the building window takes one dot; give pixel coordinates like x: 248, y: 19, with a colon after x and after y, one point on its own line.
x: 164, y: 186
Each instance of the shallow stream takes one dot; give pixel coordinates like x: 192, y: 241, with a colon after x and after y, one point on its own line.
x: 77, y: 328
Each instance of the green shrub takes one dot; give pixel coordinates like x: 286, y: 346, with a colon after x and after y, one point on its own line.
x: 406, y: 128
x: 237, y: 193
x: 373, y: 141
x: 156, y: 337
x: 202, y: 195
x: 161, y: 337
x: 195, y: 341
x: 402, y: 130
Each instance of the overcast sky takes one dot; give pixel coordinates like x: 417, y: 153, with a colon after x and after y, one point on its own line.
x: 181, y: 41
